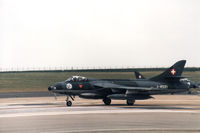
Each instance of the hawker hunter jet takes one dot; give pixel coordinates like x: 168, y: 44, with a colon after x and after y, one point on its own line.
x: 170, y: 81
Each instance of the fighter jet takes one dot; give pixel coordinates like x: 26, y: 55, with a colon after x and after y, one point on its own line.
x: 170, y: 81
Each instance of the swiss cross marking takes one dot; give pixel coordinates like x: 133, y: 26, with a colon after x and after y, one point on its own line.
x: 140, y: 76
x: 173, y: 71
x: 81, y: 86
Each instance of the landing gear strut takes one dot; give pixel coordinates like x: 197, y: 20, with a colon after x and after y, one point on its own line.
x: 107, y: 101
x: 130, y: 101
x: 68, y: 102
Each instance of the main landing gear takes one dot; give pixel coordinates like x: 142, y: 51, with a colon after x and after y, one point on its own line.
x: 130, y: 102
x: 68, y: 102
x: 107, y: 101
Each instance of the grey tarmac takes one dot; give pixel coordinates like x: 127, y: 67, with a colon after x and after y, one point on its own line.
x: 165, y: 113
x: 24, y: 94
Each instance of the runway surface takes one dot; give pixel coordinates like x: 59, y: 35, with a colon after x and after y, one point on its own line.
x: 25, y: 94
x: 165, y: 113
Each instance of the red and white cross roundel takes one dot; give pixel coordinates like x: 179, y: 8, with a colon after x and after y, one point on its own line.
x: 80, y: 86
x: 173, y: 71
x: 140, y: 77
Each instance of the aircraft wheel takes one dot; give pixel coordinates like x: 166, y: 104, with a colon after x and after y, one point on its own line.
x: 130, y: 101
x: 68, y: 103
x: 107, y: 101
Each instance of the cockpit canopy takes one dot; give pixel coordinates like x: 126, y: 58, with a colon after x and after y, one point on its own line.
x: 77, y: 79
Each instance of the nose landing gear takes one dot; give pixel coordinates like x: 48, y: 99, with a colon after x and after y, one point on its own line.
x: 68, y: 102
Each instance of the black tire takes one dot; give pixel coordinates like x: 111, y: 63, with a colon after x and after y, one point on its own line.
x: 107, y: 101
x: 130, y: 102
x: 69, y: 103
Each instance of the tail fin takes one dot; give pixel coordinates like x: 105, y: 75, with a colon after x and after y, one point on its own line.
x: 174, y: 72
x: 138, y: 75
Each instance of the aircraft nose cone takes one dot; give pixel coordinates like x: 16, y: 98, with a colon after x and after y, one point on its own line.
x: 50, y: 88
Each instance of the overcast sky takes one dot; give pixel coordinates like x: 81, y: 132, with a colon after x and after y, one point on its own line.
x: 101, y: 33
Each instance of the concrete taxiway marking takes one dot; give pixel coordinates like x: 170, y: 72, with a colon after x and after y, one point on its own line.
x: 82, y: 110
x: 132, y: 130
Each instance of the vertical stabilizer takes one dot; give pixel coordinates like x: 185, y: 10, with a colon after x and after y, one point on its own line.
x: 174, y: 72
x: 138, y: 75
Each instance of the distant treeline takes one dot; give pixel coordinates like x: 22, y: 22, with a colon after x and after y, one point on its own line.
x: 189, y: 69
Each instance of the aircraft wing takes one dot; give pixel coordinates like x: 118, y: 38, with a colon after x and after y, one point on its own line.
x: 110, y: 85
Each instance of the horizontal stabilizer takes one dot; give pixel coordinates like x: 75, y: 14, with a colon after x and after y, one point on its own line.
x: 175, y: 77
